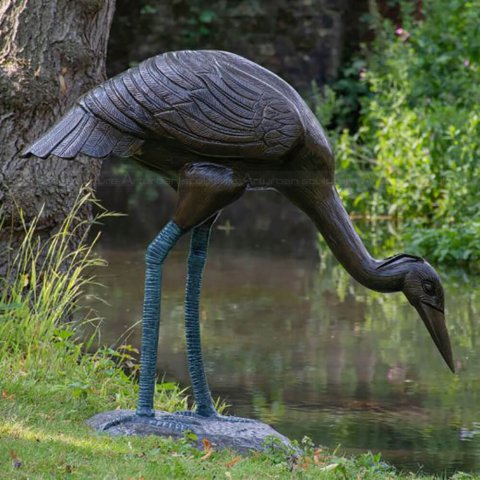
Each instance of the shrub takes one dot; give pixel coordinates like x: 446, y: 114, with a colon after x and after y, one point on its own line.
x: 417, y: 147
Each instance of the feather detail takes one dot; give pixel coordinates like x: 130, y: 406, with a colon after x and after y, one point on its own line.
x: 44, y: 146
x: 210, y: 103
x: 81, y: 132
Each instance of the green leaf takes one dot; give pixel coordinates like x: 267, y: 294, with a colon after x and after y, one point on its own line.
x: 207, y: 16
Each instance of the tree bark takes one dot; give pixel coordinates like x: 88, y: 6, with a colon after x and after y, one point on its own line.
x: 51, y: 52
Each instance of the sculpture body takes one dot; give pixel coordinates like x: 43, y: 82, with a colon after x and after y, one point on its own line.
x: 215, y: 124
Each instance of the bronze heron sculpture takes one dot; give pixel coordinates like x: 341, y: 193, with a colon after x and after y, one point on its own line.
x: 216, y: 124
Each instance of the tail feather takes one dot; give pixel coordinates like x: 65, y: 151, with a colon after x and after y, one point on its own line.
x: 102, y: 140
x: 47, y: 143
x: 73, y: 142
x: 81, y: 132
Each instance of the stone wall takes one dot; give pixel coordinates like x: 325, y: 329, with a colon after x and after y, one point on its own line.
x: 302, y: 40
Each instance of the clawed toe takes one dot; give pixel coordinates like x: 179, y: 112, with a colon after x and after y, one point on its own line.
x: 119, y: 421
x: 186, y: 413
x: 179, y: 421
x: 229, y: 418
x: 214, y: 417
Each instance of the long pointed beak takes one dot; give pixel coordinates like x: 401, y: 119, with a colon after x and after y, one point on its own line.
x: 435, y: 322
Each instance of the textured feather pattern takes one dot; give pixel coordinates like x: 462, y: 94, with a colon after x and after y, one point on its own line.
x: 79, y: 131
x: 212, y: 103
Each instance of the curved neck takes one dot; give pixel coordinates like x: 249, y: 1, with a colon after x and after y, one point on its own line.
x: 324, y: 207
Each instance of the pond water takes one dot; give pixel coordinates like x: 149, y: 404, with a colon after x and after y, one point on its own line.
x: 291, y: 339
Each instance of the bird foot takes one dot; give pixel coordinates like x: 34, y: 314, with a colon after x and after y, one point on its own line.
x: 214, y: 416
x: 170, y: 422
x: 222, y: 431
x: 179, y: 421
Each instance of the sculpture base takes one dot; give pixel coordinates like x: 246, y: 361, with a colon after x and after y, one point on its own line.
x: 241, y: 435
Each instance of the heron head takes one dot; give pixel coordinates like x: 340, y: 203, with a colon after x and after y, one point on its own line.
x: 423, y: 289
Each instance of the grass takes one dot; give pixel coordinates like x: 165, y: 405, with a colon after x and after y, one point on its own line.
x: 49, y: 386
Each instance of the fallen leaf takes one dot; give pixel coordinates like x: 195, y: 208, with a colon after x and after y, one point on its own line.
x: 7, y: 396
x: 17, y: 463
x: 207, y: 455
x: 207, y: 446
x: 233, y: 462
x: 68, y: 468
x: 228, y: 475
x: 316, y: 457
x: 305, y: 464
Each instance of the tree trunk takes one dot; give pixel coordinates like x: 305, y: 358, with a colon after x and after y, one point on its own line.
x: 51, y: 52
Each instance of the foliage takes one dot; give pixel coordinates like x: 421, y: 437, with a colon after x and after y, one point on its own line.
x: 39, y: 343
x: 200, y: 24
x: 415, y: 156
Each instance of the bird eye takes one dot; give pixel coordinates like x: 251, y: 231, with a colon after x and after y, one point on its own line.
x: 428, y: 288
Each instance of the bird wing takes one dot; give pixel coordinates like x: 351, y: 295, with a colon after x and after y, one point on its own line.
x: 217, y: 108
x: 212, y: 103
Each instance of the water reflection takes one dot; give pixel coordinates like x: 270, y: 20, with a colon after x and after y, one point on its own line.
x: 291, y: 339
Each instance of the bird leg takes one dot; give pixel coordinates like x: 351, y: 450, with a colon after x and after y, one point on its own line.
x: 157, y: 252
x: 203, y: 189
x: 205, y: 406
x: 196, y: 264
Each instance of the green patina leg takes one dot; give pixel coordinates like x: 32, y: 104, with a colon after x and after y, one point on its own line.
x: 201, y: 391
x: 196, y: 264
x: 144, y: 420
x: 156, y: 254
